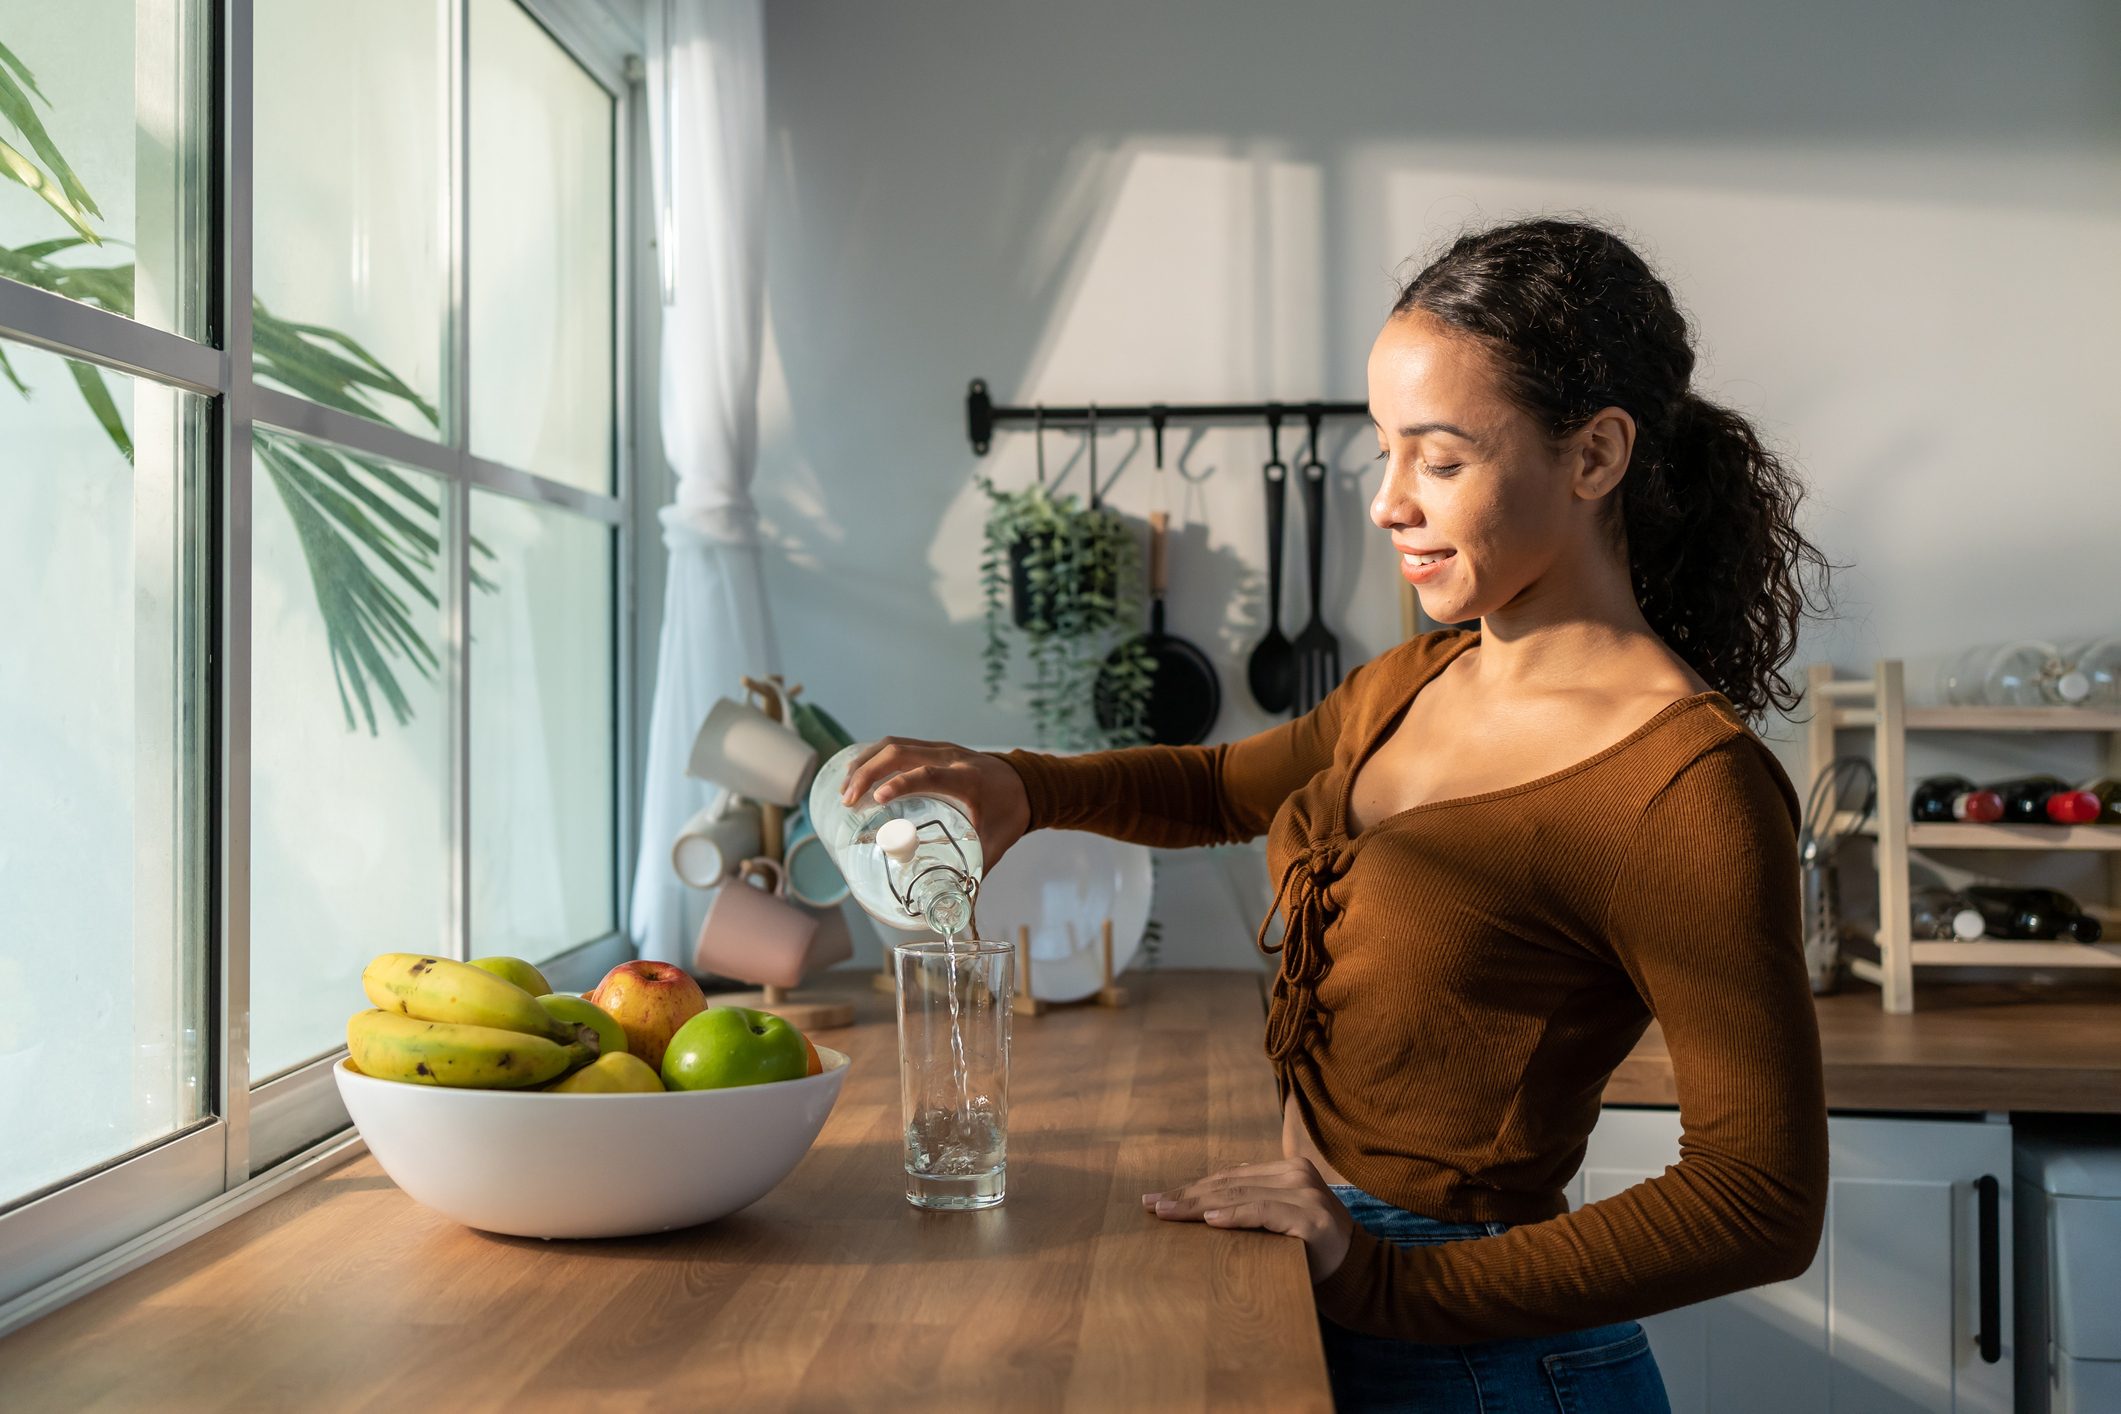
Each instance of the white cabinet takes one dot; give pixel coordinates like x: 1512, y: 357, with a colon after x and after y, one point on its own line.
x: 1889, y: 1318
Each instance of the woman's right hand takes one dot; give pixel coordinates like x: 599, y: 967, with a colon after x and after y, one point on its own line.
x: 988, y: 787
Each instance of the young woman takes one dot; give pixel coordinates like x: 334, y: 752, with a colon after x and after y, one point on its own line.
x: 1502, y: 850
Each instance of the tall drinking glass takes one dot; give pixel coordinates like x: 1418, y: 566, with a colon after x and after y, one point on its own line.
x: 953, y: 1051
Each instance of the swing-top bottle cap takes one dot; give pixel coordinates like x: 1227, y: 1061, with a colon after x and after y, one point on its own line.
x: 1967, y: 925
x: 898, y: 839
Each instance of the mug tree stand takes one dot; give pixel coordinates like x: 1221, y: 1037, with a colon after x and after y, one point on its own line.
x: 804, y: 1016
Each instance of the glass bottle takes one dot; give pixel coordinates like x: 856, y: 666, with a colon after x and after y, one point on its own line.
x: 2107, y: 791
x: 1943, y: 914
x: 2026, y: 673
x: 912, y: 863
x: 2100, y: 663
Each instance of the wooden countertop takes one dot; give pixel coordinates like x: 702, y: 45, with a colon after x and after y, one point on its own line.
x: 832, y: 1293
x: 829, y: 1293
x: 1967, y: 1046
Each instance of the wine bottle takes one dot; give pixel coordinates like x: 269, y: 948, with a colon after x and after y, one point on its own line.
x: 2107, y: 791
x: 1945, y: 798
x: 2045, y: 800
x: 1942, y: 914
x: 2041, y: 915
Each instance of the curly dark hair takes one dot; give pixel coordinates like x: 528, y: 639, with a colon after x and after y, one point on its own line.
x: 1578, y: 322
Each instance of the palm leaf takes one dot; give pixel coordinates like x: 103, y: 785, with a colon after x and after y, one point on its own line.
x: 96, y: 393
x: 366, y: 622
x: 18, y: 168
x: 22, y: 73
x: 363, y: 525
x: 369, y: 369
x: 292, y: 354
x: 341, y: 588
x: 17, y: 109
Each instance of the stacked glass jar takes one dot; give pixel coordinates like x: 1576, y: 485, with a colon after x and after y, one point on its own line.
x: 2034, y: 673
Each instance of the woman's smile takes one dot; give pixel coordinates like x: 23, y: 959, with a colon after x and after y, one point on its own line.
x: 1421, y: 568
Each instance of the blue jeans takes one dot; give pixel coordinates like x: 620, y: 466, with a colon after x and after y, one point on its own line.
x: 1604, y: 1370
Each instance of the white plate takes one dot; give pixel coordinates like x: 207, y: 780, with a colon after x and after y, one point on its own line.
x: 1065, y: 884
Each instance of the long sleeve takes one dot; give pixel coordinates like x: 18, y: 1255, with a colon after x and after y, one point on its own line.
x: 1172, y: 797
x: 1703, y: 916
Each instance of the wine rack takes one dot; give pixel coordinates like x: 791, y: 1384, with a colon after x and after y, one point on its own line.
x: 1878, y: 703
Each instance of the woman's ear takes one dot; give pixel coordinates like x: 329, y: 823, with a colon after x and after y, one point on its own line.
x: 1606, y: 443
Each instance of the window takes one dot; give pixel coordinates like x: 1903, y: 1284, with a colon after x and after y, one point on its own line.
x: 313, y: 651
x: 349, y: 769
x: 100, y: 686
x: 541, y: 704
x: 350, y: 204
x: 541, y: 253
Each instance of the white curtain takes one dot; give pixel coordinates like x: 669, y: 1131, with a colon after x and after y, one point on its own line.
x: 707, y: 125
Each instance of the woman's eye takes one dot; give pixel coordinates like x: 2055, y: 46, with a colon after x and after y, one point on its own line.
x: 1434, y: 470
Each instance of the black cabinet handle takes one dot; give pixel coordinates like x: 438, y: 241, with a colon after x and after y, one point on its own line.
x: 1988, y: 1337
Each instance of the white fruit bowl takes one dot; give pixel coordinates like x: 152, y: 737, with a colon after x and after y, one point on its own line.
x: 608, y: 1165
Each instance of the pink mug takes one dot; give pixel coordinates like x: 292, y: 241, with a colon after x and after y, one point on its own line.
x: 753, y: 933
x: 833, y: 943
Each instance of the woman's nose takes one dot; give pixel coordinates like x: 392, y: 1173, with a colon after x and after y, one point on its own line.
x: 1389, y: 510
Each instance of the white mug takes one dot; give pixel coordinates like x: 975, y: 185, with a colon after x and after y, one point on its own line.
x: 711, y: 843
x: 744, y: 749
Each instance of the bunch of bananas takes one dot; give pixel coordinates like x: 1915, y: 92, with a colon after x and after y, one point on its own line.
x: 440, y: 1022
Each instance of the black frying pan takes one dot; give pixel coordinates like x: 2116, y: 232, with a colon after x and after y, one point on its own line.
x: 1184, y: 696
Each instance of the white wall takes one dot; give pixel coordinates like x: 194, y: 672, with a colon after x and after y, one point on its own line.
x: 1895, y: 225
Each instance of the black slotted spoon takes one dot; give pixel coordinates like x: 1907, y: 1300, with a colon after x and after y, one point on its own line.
x: 1317, y: 651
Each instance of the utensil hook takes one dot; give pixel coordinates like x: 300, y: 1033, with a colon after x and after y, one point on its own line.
x: 1274, y: 437
x: 1314, y: 416
x: 1093, y: 456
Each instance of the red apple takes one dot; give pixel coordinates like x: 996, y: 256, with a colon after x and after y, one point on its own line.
x: 650, y: 1001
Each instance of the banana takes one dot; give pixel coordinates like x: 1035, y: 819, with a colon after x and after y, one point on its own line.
x: 439, y: 989
x: 393, y: 1046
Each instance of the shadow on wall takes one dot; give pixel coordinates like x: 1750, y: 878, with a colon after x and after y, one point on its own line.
x: 1191, y: 201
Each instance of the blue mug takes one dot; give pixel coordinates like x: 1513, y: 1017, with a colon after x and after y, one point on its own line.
x: 813, y: 877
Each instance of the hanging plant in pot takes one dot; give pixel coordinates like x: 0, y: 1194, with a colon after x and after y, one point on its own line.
x: 1070, y: 574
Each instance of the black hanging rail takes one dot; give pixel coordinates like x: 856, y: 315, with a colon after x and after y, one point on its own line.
x: 982, y: 415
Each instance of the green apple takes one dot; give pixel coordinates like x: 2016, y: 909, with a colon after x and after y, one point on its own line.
x: 613, y: 1074
x: 517, y: 971
x: 578, y: 1011
x: 731, y: 1045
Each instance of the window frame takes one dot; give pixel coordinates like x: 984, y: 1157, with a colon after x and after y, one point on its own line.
x: 258, y: 1138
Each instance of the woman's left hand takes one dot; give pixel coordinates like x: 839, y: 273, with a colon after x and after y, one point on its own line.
x: 1285, y: 1196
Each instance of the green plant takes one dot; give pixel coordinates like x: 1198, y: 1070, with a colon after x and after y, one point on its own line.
x: 359, y: 533
x: 1081, y: 604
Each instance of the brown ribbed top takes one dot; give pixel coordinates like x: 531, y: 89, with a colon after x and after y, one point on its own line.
x: 1458, y: 980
